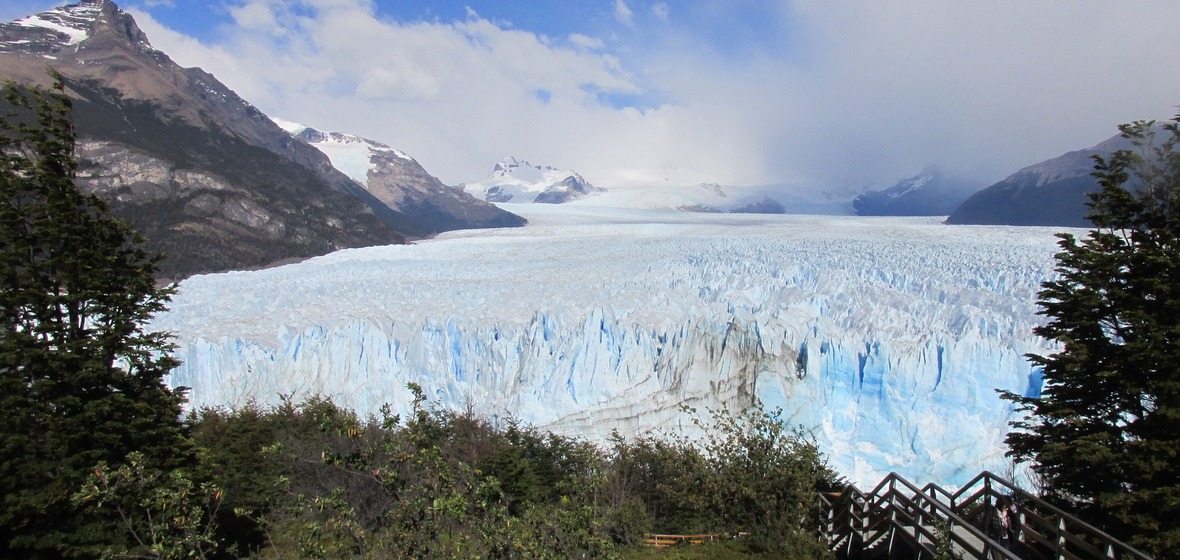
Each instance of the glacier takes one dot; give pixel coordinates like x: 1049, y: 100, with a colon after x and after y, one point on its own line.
x: 884, y: 338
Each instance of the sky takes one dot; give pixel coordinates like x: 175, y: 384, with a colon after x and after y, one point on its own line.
x: 837, y: 94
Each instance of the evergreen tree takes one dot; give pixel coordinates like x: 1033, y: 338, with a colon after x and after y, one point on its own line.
x: 1104, y: 434
x: 81, y: 382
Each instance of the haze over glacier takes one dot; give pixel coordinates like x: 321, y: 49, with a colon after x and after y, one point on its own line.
x: 884, y: 337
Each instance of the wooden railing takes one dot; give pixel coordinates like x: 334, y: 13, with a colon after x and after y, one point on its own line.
x: 661, y: 541
x: 898, y: 513
x: 1042, y: 529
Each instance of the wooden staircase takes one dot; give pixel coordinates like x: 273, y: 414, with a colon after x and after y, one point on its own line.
x: 899, y: 520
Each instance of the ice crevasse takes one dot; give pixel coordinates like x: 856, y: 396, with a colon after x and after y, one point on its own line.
x: 885, y: 338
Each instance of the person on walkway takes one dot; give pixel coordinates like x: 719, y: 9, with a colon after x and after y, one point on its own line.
x: 1007, y: 507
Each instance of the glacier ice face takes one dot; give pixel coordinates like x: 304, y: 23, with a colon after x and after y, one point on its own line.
x: 884, y: 337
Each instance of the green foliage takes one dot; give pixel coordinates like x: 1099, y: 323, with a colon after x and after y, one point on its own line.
x: 1104, y: 435
x: 80, y: 380
x: 330, y: 484
x: 666, y: 475
x: 749, y: 473
x: 232, y: 450
x: 945, y: 549
x: 768, y: 478
x: 167, y: 514
x: 739, y: 548
x: 442, y: 484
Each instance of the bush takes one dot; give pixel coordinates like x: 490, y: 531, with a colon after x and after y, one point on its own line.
x: 445, y: 484
x: 748, y: 474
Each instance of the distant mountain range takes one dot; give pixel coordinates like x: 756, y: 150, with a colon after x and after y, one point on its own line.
x: 514, y: 180
x: 217, y: 185
x: 933, y: 192
x: 206, y: 176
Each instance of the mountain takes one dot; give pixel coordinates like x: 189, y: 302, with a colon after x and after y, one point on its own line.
x: 1050, y: 193
x: 884, y: 339
x: 933, y: 192
x: 207, y: 177
x: 514, y: 180
x: 712, y: 198
x: 418, y: 203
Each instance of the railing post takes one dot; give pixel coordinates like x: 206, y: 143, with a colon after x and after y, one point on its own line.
x: 1060, y: 538
x: 918, y: 524
x: 830, y: 526
x: 859, y: 532
x: 1018, y: 534
x: 892, y: 516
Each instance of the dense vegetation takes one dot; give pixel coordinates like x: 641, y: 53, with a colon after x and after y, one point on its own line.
x: 1104, y: 435
x: 313, y: 480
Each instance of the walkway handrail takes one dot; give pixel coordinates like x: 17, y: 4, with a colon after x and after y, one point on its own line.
x: 887, y: 503
x: 896, y: 507
x: 1114, y: 548
x: 991, y: 548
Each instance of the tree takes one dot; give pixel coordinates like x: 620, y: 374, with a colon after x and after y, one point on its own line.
x: 746, y: 473
x: 1104, y: 434
x: 81, y: 381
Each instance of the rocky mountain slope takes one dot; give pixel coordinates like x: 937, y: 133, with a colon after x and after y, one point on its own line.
x: 1050, y: 193
x: 933, y: 192
x: 207, y: 177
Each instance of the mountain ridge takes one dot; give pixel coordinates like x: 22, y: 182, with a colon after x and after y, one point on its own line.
x: 1048, y: 193
x: 419, y: 202
x: 515, y: 180
x: 932, y: 192
x: 223, y: 186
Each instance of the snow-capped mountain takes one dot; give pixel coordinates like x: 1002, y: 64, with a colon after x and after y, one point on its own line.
x: 50, y: 31
x: 207, y: 177
x: 203, y: 174
x: 514, y: 180
x: 933, y: 192
x: 352, y: 155
x: 885, y: 338
x: 419, y: 203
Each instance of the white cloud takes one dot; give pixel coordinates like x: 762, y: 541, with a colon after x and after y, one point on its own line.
x: 623, y: 12
x: 982, y: 86
x: 586, y: 42
x: 845, y: 94
x: 255, y: 16
x: 872, y: 92
x: 661, y: 11
x: 458, y: 96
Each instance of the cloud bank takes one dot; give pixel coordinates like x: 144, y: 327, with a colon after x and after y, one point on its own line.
x: 833, y: 94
